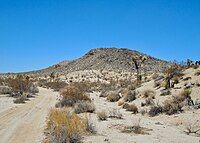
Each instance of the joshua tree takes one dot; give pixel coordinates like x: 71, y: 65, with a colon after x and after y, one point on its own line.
x: 189, y: 63
x: 138, y: 61
x: 52, y: 76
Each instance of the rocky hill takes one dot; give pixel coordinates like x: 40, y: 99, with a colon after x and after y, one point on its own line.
x: 108, y: 59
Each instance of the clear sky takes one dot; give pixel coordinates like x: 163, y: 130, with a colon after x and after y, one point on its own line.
x: 38, y: 33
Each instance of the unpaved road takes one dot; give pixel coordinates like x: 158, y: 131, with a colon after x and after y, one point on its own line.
x: 25, y: 123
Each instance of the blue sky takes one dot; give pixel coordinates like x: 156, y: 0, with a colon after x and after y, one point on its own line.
x: 37, y: 33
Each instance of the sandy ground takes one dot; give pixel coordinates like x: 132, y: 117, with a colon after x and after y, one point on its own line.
x: 162, y: 128
x: 25, y: 123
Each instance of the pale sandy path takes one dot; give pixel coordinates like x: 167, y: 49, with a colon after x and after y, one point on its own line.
x: 25, y: 123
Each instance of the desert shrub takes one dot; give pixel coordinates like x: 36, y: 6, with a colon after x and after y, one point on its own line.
x: 176, y: 80
x: 136, y: 129
x: 165, y: 92
x: 84, y: 106
x: 131, y: 107
x: 170, y: 107
x: 175, y: 104
x: 65, y: 127
x: 55, y: 85
x: 120, y: 103
x: 114, y: 113
x: 154, y: 76
x: 71, y: 95
x: 143, y: 111
x: 149, y: 94
x: 20, y: 100
x: 197, y: 73
x: 187, y: 78
x: 102, y: 116
x: 155, y: 110
x: 90, y: 127
x: 129, y: 96
x: 5, y: 90
x: 113, y: 96
x: 148, y: 102
x: 19, y: 84
x: 157, y: 83
x: 195, y: 66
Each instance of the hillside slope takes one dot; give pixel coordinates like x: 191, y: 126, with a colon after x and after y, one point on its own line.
x: 108, y: 59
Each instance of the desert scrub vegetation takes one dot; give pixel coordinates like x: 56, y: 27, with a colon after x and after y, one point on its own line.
x: 129, y: 96
x: 136, y: 129
x: 176, y: 103
x: 115, y: 113
x: 131, y: 107
x: 64, y: 127
x: 149, y: 94
x: 55, y: 85
x: 71, y: 95
x: 102, y: 115
x: 113, y: 96
x: 85, y: 106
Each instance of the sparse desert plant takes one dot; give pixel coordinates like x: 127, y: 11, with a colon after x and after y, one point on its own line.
x: 131, y: 107
x: 20, y: 99
x: 193, y: 128
x: 129, y: 96
x: 187, y: 78
x: 197, y: 73
x: 113, y: 96
x: 149, y: 94
x: 154, y: 76
x: 90, y: 127
x: 176, y: 80
x: 148, y: 102
x: 155, y: 110
x: 171, y: 107
x: 143, y: 111
x: 5, y: 90
x: 195, y: 66
x: 65, y: 127
x: 136, y: 129
x: 71, y: 95
x: 84, y: 106
x: 102, y: 116
x: 114, y: 113
x: 120, y: 103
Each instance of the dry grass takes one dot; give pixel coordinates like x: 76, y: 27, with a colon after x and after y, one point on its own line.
x: 65, y: 127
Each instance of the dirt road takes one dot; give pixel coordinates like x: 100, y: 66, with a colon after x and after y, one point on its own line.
x: 25, y: 123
